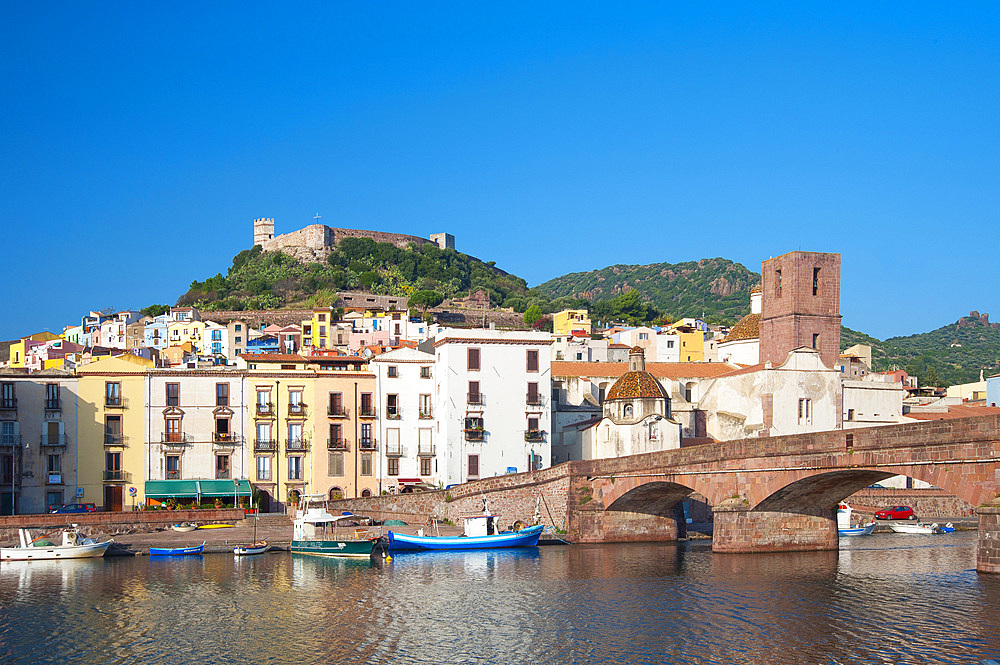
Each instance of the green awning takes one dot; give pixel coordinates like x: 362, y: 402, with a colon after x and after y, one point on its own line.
x: 171, y: 488
x: 162, y: 489
x: 224, y: 488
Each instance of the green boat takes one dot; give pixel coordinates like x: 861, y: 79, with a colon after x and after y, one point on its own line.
x: 315, y: 531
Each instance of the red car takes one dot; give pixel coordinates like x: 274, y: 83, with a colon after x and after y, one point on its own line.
x: 896, y: 513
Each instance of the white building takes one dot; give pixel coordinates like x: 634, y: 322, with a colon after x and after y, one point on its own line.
x: 742, y: 344
x: 407, y: 426
x: 870, y: 403
x: 492, y: 402
x: 579, y: 347
x: 667, y: 348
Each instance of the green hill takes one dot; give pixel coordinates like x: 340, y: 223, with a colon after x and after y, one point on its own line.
x: 717, y: 288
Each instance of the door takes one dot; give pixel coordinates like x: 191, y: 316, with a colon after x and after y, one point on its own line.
x: 113, y: 497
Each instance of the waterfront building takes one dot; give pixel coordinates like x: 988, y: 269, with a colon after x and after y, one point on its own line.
x: 111, y: 430
x: 407, y: 424
x: 38, y: 452
x: 345, y: 417
x: 196, y: 436
x: 492, y: 402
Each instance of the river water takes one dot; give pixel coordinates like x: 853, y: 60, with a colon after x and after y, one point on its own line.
x: 883, y: 599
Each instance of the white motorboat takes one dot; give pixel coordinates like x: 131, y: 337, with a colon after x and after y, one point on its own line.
x: 919, y: 527
x: 844, y: 526
x: 73, y: 546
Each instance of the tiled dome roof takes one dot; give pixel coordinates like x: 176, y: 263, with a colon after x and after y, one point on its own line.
x: 746, y: 328
x: 757, y: 289
x: 636, y: 385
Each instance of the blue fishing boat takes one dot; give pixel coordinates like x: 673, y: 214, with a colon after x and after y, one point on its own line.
x: 481, y: 533
x: 177, y: 551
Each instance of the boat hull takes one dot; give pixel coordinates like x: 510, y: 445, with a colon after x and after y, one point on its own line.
x: 245, y: 550
x: 48, y: 553
x: 912, y: 528
x: 347, y: 547
x: 523, y: 538
x: 857, y: 531
x: 176, y: 551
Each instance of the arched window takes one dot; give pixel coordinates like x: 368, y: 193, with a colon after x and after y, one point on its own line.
x: 336, y: 493
x: 627, y: 411
x: 366, y: 493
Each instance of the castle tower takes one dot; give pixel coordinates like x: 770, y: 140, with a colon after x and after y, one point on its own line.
x: 443, y: 240
x: 800, y: 306
x: 263, y: 229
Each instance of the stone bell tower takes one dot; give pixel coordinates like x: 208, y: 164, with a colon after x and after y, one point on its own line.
x: 263, y: 229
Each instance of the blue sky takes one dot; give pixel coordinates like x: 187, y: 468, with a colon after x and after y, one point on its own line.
x: 140, y: 141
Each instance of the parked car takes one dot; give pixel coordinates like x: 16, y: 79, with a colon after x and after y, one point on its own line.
x: 76, y: 508
x: 896, y: 513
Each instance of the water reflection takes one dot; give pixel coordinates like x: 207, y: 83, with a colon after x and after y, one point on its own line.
x: 882, y: 600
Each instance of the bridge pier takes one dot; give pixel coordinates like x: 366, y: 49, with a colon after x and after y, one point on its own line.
x: 737, y: 529
x: 988, y: 556
x: 620, y: 526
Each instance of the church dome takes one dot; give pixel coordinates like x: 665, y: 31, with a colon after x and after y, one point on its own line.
x: 747, y: 328
x: 636, y: 385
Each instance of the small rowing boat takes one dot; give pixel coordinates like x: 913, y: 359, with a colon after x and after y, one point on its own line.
x: 177, y: 551
x: 258, y: 547
x: 184, y: 528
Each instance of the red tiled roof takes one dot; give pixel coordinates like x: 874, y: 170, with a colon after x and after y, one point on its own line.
x: 275, y: 357
x: 746, y: 328
x: 636, y: 385
x: 659, y: 370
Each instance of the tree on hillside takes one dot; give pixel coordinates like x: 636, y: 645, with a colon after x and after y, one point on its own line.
x: 533, y: 314
x: 629, y: 307
x: 425, y: 299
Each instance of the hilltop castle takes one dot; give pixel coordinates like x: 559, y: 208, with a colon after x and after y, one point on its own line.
x: 316, y: 241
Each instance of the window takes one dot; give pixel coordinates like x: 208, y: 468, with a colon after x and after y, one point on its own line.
x: 336, y: 406
x: 263, y: 468
x: 475, y: 397
x: 172, y: 464
x: 532, y: 360
x: 173, y: 394
x: 335, y: 464
x: 53, y: 463
x: 112, y: 393
x: 473, y: 466
x: 222, y: 394
x: 392, y: 406
x: 336, y: 436
x: 52, y: 396
x: 295, y: 405
x: 295, y: 468
x: 777, y: 283
x: 238, y: 328
x: 392, y: 371
x: 113, y: 430
x: 815, y: 281
x: 113, y: 466
x: 392, y: 466
x: 366, y: 405
x: 264, y: 433
x: 643, y: 335
x: 627, y: 411
x: 366, y: 464
x: 533, y: 396
x: 425, y: 406
x: 222, y: 432
x: 815, y: 340
x: 295, y: 435
x: 366, y: 435
x: 670, y: 343
x: 805, y: 411
x: 172, y: 428
x: 216, y: 335
x: 222, y: 466
x: 850, y: 414
x: 322, y: 317
x: 425, y: 466
x: 473, y: 360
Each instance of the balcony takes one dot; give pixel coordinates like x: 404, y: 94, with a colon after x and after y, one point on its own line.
x: 475, y: 435
x: 367, y: 444
x: 336, y: 444
x: 393, y: 413
x: 366, y: 412
x: 10, y: 440
x: 475, y: 398
x: 265, y: 445
x: 534, y: 435
x: 53, y: 405
x: 115, y: 402
x: 425, y: 451
x: 265, y: 409
x: 9, y: 404
x: 336, y: 412
x: 533, y: 399
x: 118, y: 476
x: 173, y: 475
x: 297, y: 445
x: 58, y: 440
x: 425, y: 415
x: 116, y: 440
x: 222, y: 474
x: 175, y: 439
x: 226, y: 439
x: 394, y: 451
x: 296, y: 410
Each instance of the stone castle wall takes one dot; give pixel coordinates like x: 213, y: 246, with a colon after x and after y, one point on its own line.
x: 315, y: 242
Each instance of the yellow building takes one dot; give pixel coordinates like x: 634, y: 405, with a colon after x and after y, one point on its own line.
x: 316, y: 331
x: 17, y: 352
x: 568, y: 320
x: 187, y: 332
x: 111, y: 431
x: 692, y: 343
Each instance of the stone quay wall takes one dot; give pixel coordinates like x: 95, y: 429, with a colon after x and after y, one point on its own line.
x: 111, y: 523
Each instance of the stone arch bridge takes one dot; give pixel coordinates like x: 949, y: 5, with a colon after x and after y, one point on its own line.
x: 768, y: 494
